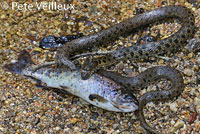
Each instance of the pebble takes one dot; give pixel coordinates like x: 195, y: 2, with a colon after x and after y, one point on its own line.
x: 190, y: 55
x: 193, y: 45
x: 57, y: 128
x: 19, y: 14
x: 33, y: 32
x: 198, y: 60
x: 196, y: 67
x: 3, y: 16
x: 181, y: 2
x: 12, y: 104
x: 38, y: 49
x: 2, y: 129
x: 115, y: 126
x: 173, y: 107
x: 197, y: 108
x: 192, y: 1
x: 188, y: 72
x: 73, y: 109
x: 56, y: 23
x: 179, y: 124
x: 196, y: 100
x: 172, y: 122
x: 73, y: 120
x: 197, y: 126
x: 161, y: 62
x: 196, y: 103
x: 192, y: 118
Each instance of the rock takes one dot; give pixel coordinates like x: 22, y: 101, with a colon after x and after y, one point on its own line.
x: 172, y: 122
x: 193, y: 117
x: 19, y: 14
x: 179, y: 124
x: 161, y: 62
x: 196, y: 67
x: 3, y: 16
x: 57, y: 128
x: 173, y: 107
x: 188, y: 72
x: 73, y: 120
x: 115, y: 126
x: 197, y: 102
x: 37, y: 49
x: 197, y: 109
x: 193, y: 45
x: 191, y: 54
x: 197, y: 126
x: 74, y: 109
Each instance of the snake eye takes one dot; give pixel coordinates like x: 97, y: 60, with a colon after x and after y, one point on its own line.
x: 150, y: 39
x: 130, y: 98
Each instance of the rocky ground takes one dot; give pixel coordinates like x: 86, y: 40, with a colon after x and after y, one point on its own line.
x: 25, y: 108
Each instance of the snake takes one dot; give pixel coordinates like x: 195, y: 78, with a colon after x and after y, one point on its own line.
x: 52, y: 41
x: 124, y: 28
x: 97, y: 60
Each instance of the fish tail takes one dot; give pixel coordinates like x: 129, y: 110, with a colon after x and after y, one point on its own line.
x: 24, y: 60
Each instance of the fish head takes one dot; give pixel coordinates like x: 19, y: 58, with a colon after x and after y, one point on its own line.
x: 125, y: 102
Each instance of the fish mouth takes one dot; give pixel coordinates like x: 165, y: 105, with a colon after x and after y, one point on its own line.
x: 113, y: 105
x: 126, y: 107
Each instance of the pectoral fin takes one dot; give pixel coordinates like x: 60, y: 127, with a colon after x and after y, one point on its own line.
x: 96, y: 97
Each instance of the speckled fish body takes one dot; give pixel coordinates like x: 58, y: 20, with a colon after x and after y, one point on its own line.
x: 97, y: 90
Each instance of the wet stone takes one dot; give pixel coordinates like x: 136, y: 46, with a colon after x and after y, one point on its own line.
x: 188, y: 72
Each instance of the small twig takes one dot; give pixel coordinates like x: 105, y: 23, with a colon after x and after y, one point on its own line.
x: 90, y: 54
x: 164, y: 58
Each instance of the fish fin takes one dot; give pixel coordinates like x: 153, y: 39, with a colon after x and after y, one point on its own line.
x: 64, y: 90
x: 24, y: 60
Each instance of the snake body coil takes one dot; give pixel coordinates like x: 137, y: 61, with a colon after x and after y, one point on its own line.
x: 146, y: 78
x: 124, y: 28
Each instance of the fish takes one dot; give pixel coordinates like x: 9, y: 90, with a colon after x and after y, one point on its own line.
x: 97, y: 90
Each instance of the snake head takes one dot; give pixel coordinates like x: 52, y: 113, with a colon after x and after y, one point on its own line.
x: 88, y: 68
x: 91, y: 64
x: 63, y: 59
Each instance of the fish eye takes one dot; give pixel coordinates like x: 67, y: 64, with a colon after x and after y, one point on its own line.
x: 127, y: 97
